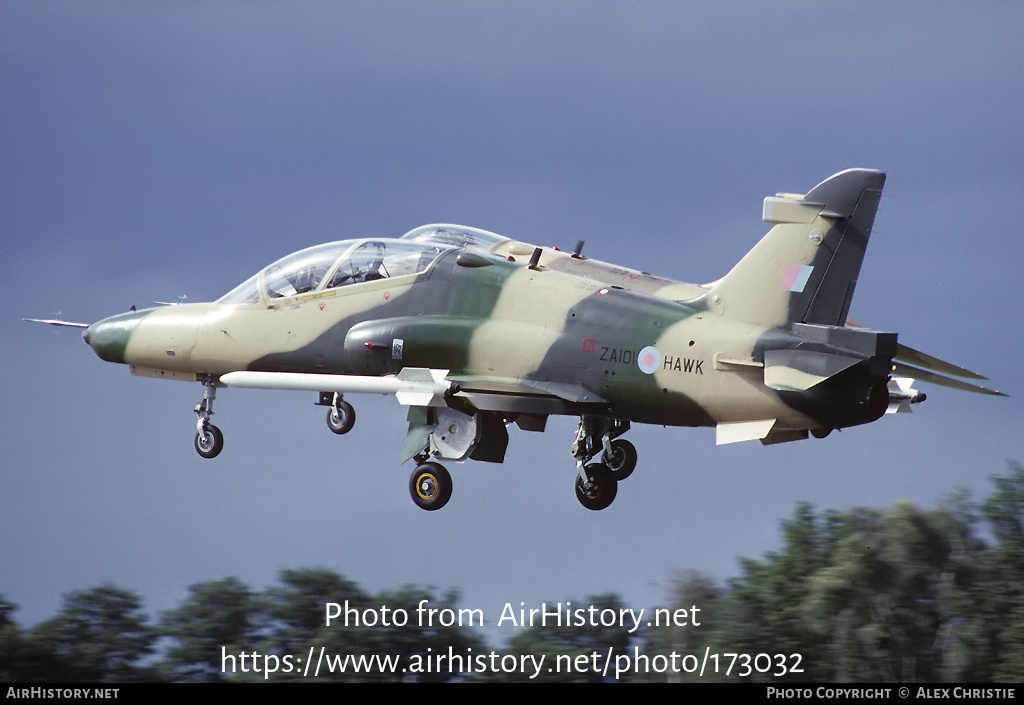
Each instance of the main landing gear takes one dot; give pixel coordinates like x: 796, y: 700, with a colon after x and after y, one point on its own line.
x: 602, y: 460
x: 453, y: 434
x: 209, y: 439
x: 430, y: 485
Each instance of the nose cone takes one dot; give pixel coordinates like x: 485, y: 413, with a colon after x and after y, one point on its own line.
x: 109, y: 337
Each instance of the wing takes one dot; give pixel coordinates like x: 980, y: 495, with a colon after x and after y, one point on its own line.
x: 526, y: 396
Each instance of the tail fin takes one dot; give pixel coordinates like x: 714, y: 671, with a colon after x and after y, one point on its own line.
x: 805, y: 269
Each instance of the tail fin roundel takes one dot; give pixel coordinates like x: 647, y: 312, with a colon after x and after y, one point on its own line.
x: 805, y: 269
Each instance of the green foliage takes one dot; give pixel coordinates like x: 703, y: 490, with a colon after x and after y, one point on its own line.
x: 765, y: 612
x: 99, y: 636
x: 296, y: 609
x: 871, y: 595
x: 862, y: 595
x: 994, y: 634
x: 1005, y: 512
x: 896, y: 595
x: 11, y: 644
x: 682, y: 630
x: 24, y: 659
x: 881, y: 601
x: 217, y: 616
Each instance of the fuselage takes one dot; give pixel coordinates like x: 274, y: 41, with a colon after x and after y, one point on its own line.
x: 624, y: 343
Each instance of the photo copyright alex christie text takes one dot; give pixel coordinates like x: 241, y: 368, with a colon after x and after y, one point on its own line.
x: 558, y: 614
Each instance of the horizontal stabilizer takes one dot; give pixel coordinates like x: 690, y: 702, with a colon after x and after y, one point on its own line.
x: 920, y: 359
x: 905, y: 370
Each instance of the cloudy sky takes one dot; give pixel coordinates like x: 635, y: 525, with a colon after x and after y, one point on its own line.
x: 164, y: 149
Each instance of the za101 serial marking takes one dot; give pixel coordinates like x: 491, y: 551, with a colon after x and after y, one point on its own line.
x: 474, y: 332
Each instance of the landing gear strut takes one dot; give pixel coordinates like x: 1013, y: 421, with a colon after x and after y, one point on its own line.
x: 602, y: 460
x: 453, y: 434
x: 209, y: 440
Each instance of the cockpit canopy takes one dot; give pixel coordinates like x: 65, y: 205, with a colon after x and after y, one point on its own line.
x: 336, y: 264
x: 354, y: 261
x: 455, y: 236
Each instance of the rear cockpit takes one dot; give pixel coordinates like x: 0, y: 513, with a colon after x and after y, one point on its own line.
x: 455, y: 236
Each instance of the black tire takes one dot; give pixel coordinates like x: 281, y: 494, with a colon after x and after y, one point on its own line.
x: 210, y: 443
x: 600, y: 491
x: 430, y: 486
x: 342, y: 418
x: 622, y: 460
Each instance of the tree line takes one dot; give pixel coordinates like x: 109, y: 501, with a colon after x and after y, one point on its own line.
x: 900, y: 594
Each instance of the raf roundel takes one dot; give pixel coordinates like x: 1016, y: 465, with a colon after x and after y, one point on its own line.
x: 649, y: 360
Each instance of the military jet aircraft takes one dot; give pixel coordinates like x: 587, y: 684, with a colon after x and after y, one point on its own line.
x: 474, y: 332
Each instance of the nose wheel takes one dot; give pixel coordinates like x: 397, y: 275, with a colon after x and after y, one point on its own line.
x: 209, y: 440
x: 430, y: 486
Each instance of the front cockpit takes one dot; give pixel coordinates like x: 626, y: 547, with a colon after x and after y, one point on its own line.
x: 336, y: 264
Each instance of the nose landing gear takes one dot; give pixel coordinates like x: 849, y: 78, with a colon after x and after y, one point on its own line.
x: 209, y: 440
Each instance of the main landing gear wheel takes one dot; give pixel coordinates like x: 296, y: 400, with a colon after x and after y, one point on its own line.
x: 622, y: 460
x: 430, y: 486
x: 599, y: 492
x: 209, y: 441
x: 341, y: 417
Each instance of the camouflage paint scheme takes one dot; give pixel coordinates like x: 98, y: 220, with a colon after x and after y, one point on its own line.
x: 487, y: 331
